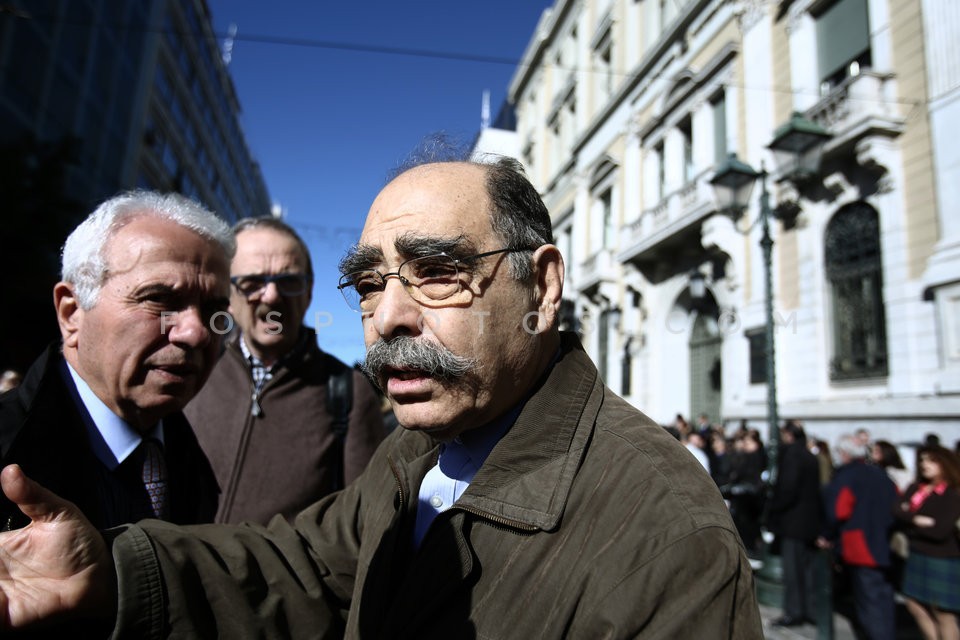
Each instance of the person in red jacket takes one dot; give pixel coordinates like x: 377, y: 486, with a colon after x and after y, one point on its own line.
x: 929, y: 512
x: 858, y: 521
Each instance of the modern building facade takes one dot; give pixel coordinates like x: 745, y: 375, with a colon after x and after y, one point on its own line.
x: 101, y: 96
x: 140, y: 90
x: 627, y: 109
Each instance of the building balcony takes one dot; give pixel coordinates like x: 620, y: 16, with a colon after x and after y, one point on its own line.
x: 599, y: 268
x: 660, y: 240
x: 860, y: 106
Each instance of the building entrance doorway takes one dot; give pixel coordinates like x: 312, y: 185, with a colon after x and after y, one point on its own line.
x: 705, y: 367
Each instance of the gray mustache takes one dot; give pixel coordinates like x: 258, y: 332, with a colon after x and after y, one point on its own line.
x: 412, y: 353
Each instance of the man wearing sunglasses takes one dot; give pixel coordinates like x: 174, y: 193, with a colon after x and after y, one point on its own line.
x: 522, y: 498
x: 263, y: 418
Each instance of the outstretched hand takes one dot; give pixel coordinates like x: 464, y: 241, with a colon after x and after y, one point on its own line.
x: 57, y: 567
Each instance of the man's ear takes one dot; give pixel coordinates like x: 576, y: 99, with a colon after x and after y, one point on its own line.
x: 69, y: 313
x: 548, y: 274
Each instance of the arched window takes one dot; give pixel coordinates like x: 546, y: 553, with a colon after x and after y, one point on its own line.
x: 854, y: 269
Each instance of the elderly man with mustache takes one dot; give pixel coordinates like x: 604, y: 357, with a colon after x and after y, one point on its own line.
x: 522, y: 498
x: 97, y: 418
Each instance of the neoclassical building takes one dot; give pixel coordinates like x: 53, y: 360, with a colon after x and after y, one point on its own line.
x: 627, y: 112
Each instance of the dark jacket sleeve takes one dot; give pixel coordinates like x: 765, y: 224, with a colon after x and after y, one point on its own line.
x: 244, y: 581
x: 829, y: 494
x: 366, y: 430
x: 788, y: 482
x: 945, y: 511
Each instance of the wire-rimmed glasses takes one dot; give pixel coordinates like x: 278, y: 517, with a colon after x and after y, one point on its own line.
x: 427, y: 279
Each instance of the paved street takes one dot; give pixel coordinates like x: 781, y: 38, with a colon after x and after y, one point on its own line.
x: 906, y: 628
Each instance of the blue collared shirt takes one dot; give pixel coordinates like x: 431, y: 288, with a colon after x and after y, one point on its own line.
x: 459, y: 461
x: 112, y: 439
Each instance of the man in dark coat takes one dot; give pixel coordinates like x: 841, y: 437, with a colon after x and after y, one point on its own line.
x: 859, y: 517
x: 795, y: 517
x: 97, y: 418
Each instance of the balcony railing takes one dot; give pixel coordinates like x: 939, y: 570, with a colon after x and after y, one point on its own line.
x: 680, y: 209
x: 858, y: 106
x: 600, y: 267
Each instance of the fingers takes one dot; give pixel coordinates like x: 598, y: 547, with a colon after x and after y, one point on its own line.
x: 36, y: 502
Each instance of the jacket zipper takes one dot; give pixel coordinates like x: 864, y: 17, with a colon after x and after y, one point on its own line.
x: 396, y: 478
x: 513, y: 524
x: 255, y: 409
x: 229, y: 495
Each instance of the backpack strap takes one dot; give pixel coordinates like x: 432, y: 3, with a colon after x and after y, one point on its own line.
x: 339, y: 404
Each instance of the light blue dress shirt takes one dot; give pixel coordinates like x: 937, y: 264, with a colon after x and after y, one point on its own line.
x: 112, y: 439
x: 458, y: 462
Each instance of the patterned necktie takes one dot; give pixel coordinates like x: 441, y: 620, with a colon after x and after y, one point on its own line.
x: 155, y: 476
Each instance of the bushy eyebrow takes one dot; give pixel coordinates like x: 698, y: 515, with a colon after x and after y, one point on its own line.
x: 360, y: 257
x: 411, y: 244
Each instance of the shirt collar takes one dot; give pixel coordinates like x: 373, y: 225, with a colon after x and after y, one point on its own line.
x: 462, y: 457
x: 111, y: 437
x: 247, y: 354
x: 299, y: 347
x: 478, y: 443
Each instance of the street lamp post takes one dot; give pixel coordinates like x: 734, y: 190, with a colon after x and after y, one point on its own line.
x: 766, y: 243
x: 798, y: 148
x: 733, y: 183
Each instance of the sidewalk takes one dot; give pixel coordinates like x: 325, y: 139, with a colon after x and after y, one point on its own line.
x: 906, y: 628
x: 841, y: 627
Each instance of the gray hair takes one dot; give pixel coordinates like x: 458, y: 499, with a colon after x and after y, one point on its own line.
x: 518, y: 216
x: 83, y: 262
x: 850, y: 446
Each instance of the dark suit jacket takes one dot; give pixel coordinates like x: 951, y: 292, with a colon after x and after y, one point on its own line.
x: 795, y: 510
x: 42, y: 429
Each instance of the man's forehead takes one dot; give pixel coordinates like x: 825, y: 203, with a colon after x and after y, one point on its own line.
x: 258, y: 245
x: 160, y: 240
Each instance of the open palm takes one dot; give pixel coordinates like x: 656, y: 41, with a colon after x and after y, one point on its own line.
x: 55, y: 568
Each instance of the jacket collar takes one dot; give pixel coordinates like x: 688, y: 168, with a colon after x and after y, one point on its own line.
x: 526, y: 479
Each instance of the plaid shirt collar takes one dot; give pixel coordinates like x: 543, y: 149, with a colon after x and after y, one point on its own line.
x: 260, y: 372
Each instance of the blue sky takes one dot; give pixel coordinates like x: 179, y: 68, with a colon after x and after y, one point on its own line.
x: 328, y: 123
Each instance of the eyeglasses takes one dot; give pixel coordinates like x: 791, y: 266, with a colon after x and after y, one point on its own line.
x: 428, y: 278
x: 288, y: 284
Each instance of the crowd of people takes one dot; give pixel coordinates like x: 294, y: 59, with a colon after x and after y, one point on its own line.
x: 888, y: 530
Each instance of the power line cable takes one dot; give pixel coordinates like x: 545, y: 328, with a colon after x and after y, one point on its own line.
x: 421, y: 53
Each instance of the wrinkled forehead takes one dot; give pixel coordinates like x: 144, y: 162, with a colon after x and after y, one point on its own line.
x: 262, y: 247
x: 431, y: 210
x: 152, y: 239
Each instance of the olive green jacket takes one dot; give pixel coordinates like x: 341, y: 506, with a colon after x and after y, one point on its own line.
x: 587, y: 520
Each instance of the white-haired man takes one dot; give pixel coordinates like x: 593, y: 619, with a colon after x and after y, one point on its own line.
x: 97, y: 418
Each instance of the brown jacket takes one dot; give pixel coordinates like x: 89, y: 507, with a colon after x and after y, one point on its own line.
x: 280, y: 461
x: 587, y: 520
